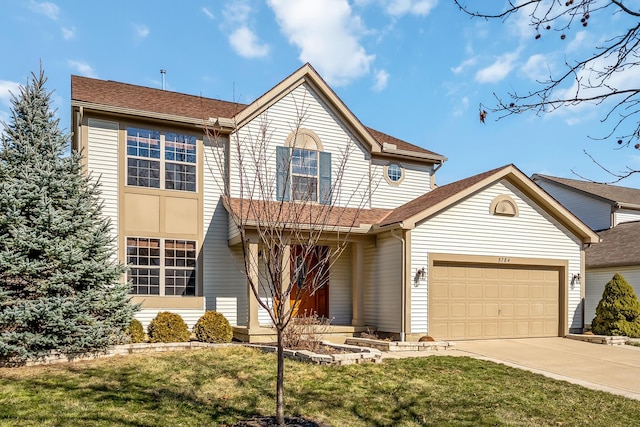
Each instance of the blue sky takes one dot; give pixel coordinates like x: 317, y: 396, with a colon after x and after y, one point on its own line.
x: 416, y: 69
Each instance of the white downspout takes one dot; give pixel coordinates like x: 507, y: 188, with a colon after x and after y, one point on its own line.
x: 403, y: 290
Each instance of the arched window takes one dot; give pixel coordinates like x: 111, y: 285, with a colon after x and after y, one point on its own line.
x: 303, y: 169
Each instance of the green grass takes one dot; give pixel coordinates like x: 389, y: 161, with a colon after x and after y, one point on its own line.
x: 221, y: 386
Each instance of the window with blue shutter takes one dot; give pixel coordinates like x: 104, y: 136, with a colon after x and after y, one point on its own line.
x: 282, y: 173
x: 325, y: 178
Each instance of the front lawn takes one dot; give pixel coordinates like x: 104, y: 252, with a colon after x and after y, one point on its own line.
x: 221, y: 386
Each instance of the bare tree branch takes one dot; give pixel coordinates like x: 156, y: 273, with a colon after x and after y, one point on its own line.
x: 591, y: 79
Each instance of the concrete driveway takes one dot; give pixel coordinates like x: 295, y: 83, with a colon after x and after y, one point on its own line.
x: 615, y: 369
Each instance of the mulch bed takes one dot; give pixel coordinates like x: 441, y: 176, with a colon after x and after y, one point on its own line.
x: 271, y: 422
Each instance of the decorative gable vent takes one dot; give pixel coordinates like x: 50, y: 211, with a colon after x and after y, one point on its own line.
x: 504, y: 206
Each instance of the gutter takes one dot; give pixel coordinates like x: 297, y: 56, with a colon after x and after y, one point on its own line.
x: 218, y: 122
x: 403, y: 288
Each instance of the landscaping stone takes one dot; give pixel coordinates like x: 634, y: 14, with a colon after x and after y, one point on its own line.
x: 391, y: 346
x: 349, y: 354
x: 600, y: 339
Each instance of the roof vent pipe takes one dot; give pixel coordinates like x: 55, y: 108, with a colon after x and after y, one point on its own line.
x: 163, y: 72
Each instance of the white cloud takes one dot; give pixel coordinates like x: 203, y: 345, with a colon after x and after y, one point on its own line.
x: 382, y: 79
x: 68, y: 33
x: 7, y: 88
x: 467, y: 63
x: 327, y: 34
x: 242, y: 38
x: 413, y: 7
x: 463, y: 106
x: 498, y: 70
x: 537, y: 68
x: 246, y: 44
x: 49, y: 9
x: 142, y: 31
x: 82, y: 68
x: 208, y: 13
x: 578, y: 42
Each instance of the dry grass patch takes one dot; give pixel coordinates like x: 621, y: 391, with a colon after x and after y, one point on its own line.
x: 222, y: 386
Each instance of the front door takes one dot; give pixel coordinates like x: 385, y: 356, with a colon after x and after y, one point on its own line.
x: 311, y: 290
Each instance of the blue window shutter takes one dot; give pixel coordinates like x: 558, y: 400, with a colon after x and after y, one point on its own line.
x: 283, y: 157
x: 325, y: 178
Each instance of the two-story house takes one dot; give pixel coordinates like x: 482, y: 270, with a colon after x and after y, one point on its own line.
x: 489, y: 256
x: 614, y: 212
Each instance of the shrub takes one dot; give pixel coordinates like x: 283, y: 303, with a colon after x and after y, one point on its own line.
x: 305, y: 332
x: 135, y: 331
x: 213, y: 327
x: 168, y: 327
x: 618, y: 312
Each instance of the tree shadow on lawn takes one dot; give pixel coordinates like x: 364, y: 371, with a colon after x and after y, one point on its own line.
x: 128, y: 395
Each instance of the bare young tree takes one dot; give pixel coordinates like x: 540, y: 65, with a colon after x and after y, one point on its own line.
x: 600, y: 77
x: 292, y: 229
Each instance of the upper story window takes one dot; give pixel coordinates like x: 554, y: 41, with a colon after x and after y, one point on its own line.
x: 394, y: 173
x: 304, y: 174
x: 161, y: 159
x: 303, y: 169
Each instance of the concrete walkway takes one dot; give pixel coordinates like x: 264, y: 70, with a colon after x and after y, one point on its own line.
x: 615, y: 369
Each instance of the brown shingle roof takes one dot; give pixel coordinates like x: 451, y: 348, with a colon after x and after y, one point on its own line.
x: 438, y: 195
x: 124, y: 95
x: 402, y: 145
x: 620, y: 246
x: 140, y: 98
x: 612, y: 193
x: 305, y: 213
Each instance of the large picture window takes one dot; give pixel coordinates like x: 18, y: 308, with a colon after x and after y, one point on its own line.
x: 149, y: 152
x: 161, y: 266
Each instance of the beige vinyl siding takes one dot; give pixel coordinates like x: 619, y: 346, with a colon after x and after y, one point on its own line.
x: 224, y: 283
x: 467, y: 228
x: 416, y: 182
x: 593, y: 212
x: 279, y: 121
x: 340, y: 289
x: 190, y: 317
x: 626, y: 215
x: 383, y: 281
x: 597, y: 278
x: 102, y: 161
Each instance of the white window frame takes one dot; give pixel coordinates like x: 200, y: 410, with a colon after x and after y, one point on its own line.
x: 162, y: 160
x: 390, y: 181
x: 162, y: 267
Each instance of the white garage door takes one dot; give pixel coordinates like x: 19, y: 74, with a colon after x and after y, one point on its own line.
x: 473, y: 301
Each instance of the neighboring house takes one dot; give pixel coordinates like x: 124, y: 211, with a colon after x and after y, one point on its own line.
x: 489, y: 256
x: 612, y: 211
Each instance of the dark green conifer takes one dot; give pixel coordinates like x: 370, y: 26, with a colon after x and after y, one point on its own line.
x: 618, y: 312
x: 60, y: 283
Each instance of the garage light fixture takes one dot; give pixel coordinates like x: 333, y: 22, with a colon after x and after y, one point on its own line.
x: 575, y: 279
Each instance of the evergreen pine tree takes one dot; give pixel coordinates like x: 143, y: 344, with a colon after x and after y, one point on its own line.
x: 60, y: 286
x: 618, y: 312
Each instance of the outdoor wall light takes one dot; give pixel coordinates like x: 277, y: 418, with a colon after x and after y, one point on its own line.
x: 421, y: 274
x: 575, y: 279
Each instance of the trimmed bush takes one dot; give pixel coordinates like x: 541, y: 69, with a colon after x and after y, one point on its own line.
x: 168, y: 327
x: 618, y: 312
x: 135, y: 331
x: 213, y: 327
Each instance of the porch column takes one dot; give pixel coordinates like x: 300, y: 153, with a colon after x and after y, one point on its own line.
x: 286, y: 275
x: 357, y: 283
x: 252, y: 301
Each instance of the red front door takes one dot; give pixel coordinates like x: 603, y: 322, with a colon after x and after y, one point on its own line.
x: 309, y: 270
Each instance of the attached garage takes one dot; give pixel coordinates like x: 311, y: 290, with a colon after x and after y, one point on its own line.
x: 491, y: 256
x: 485, y: 301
